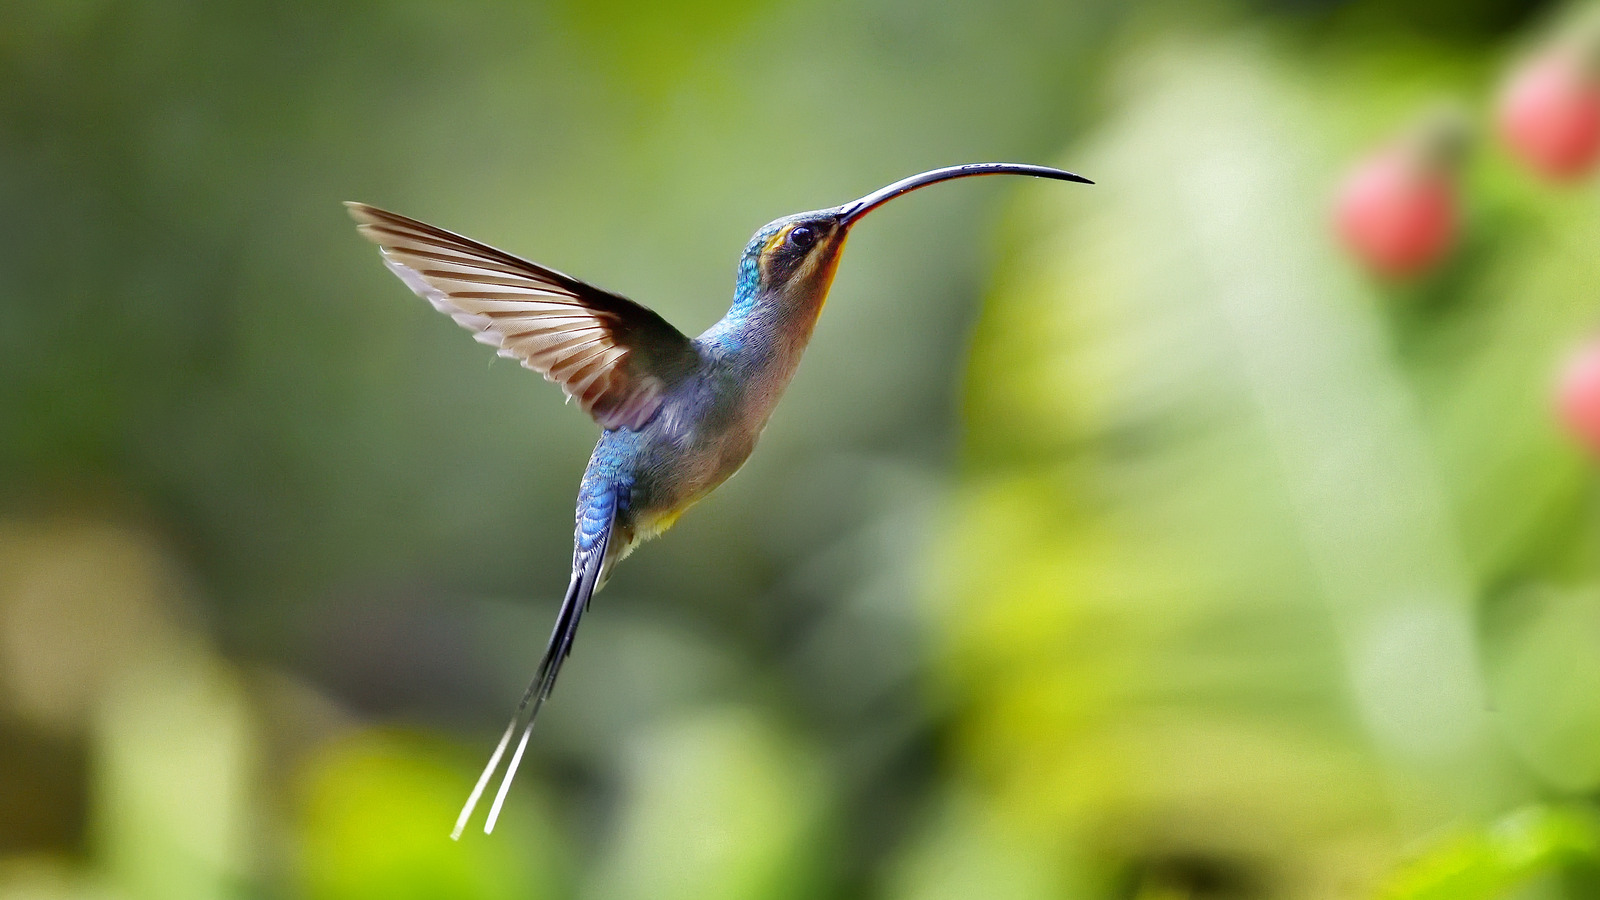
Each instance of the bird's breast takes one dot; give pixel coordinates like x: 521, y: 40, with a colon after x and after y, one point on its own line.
x: 693, y: 445
x: 703, y: 434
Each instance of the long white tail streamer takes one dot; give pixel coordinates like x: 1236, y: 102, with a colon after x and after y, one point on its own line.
x: 483, y: 782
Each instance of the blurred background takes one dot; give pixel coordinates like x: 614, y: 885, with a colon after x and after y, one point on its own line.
x: 1126, y: 541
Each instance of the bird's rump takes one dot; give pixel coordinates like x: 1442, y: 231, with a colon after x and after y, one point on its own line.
x: 615, y: 357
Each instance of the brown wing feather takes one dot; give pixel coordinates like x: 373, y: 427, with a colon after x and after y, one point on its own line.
x: 613, y: 356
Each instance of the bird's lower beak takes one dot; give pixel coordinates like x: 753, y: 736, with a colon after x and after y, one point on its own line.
x: 853, y: 211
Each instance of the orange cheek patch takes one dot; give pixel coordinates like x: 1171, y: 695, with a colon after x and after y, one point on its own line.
x: 825, y: 270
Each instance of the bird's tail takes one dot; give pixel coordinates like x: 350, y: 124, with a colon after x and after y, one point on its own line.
x: 586, y: 572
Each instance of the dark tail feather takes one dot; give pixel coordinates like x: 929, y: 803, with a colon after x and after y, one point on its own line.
x: 585, y: 579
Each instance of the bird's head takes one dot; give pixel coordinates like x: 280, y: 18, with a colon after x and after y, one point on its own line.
x: 798, y: 254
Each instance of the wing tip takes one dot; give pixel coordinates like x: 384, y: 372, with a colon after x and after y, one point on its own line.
x: 368, y: 215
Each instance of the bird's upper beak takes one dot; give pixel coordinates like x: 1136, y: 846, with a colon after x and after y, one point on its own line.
x: 850, y: 212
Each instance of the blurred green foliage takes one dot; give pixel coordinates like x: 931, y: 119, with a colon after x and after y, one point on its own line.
x: 1130, y: 545
x: 371, y: 808
x: 1499, y: 858
x: 1263, y: 571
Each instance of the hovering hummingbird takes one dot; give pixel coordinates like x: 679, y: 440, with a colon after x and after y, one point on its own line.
x: 680, y: 414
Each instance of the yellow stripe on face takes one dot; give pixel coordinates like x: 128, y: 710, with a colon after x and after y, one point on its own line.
x: 777, y: 239
x: 772, y: 245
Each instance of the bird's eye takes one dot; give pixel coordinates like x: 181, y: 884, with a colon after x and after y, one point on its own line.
x: 802, y: 236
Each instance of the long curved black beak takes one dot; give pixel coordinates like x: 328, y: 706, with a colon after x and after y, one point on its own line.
x: 853, y: 211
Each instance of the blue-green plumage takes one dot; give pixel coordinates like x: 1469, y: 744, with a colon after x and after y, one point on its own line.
x: 680, y: 415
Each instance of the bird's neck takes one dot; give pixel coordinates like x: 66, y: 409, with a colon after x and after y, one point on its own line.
x: 757, y: 347
x: 767, y: 329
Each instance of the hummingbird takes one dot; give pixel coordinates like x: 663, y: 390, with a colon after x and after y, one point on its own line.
x: 680, y: 415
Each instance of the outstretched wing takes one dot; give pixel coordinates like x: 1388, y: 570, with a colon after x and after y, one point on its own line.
x: 615, y: 357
